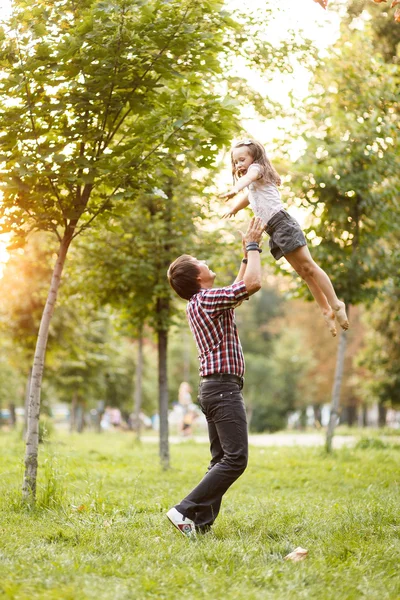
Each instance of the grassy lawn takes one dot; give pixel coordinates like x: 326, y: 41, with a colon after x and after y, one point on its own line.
x: 99, y: 530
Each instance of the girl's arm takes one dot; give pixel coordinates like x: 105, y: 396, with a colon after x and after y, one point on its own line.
x: 242, y: 203
x: 243, y: 182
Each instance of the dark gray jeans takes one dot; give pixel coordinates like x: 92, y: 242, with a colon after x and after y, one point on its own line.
x: 222, y: 403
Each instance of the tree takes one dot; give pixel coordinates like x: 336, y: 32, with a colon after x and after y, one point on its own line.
x: 23, y: 286
x: 384, y: 28
x: 24, y: 289
x: 93, y: 93
x: 133, y: 265
x: 381, y: 356
x: 357, y: 6
x: 349, y: 173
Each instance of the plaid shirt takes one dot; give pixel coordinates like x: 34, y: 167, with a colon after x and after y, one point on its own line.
x: 212, y: 321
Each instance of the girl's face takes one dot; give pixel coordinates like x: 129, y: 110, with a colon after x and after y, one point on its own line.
x: 241, y: 159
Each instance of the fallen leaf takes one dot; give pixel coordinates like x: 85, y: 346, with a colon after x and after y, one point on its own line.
x: 394, y: 3
x: 297, y: 554
x: 379, y: 1
x: 397, y: 15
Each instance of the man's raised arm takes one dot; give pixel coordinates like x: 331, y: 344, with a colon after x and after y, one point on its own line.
x: 250, y: 272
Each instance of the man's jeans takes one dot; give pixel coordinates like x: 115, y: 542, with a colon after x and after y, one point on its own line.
x: 222, y: 403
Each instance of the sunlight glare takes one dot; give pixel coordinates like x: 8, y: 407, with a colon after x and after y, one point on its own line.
x: 5, y: 8
x: 4, y: 256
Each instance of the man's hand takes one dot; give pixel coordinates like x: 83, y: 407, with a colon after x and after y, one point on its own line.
x: 254, y: 231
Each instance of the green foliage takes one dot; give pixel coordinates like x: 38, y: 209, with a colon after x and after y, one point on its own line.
x: 254, y: 321
x: 381, y: 355
x: 277, y: 384
x: 375, y: 443
x: 104, y: 105
x: 94, y: 93
x: 349, y: 174
x: 92, y: 360
x: 11, y: 378
x: 46, y: 429
x: 24, y: 287
x: 385, y: 29
x: 99, y: 529
x: 183, y: 363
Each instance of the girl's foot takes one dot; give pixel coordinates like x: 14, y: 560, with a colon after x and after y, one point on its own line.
x: 340, y: 313
x: 329, y: 317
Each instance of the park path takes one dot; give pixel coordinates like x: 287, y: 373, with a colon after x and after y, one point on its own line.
x: 272, y: 439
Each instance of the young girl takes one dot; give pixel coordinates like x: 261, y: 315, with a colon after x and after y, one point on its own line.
x: 252, y: 169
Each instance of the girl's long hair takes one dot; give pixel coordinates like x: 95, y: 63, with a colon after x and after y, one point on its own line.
x: 257, y: 151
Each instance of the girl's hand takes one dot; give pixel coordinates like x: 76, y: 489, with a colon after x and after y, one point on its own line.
x: 229, y: 214
x: 228, y: 195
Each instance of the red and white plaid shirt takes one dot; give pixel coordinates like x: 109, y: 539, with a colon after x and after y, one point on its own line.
x: 212, y: 321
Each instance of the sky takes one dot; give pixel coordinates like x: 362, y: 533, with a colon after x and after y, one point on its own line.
x: 320, y: 26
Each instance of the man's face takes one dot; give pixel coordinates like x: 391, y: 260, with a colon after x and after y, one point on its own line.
x: 206, y: 276
x: 242, y: 159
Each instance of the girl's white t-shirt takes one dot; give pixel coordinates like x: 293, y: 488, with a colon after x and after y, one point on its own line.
x: 264, y: 198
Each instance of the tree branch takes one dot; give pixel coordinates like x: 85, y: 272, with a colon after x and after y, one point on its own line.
x: 149, y: 68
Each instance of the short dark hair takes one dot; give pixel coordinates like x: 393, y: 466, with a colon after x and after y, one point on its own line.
x: 182, y: 276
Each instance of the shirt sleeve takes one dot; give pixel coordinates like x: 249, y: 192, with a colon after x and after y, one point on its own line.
x: 257, y: 167
x: 216, y: 300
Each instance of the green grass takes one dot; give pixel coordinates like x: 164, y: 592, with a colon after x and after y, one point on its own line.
x: 99, y: 529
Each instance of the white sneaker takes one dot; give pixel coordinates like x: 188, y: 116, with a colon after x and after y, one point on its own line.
x: 186, y: 526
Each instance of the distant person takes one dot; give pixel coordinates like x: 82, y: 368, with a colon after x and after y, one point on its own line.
x: 210, y: 312
x: 252, y: 169
x: 188, y: 409
x: 189, y: 417
x: 185, y: 394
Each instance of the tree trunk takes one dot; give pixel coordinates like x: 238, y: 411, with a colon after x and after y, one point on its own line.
x: 32, y: 437
x: 138, y: 386
x: 101, y: 405
x: 317, y: 415
x: 163, y: 397
x: 27, y: 392
x: 365, y: 415
x: 13, y: 418
x: 80, y: 416
x: 72, y: 420
x: 351, y: 415
x: 382, y: 413
x: 334, y: 414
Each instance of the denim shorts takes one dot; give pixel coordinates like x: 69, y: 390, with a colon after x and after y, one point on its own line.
x: 285, y: 234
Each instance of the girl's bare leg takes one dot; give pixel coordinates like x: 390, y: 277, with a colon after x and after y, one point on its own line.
x: 321, y: 300
x: 302, y: 262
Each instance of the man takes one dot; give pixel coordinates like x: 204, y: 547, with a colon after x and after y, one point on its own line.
x: 211, y: 318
